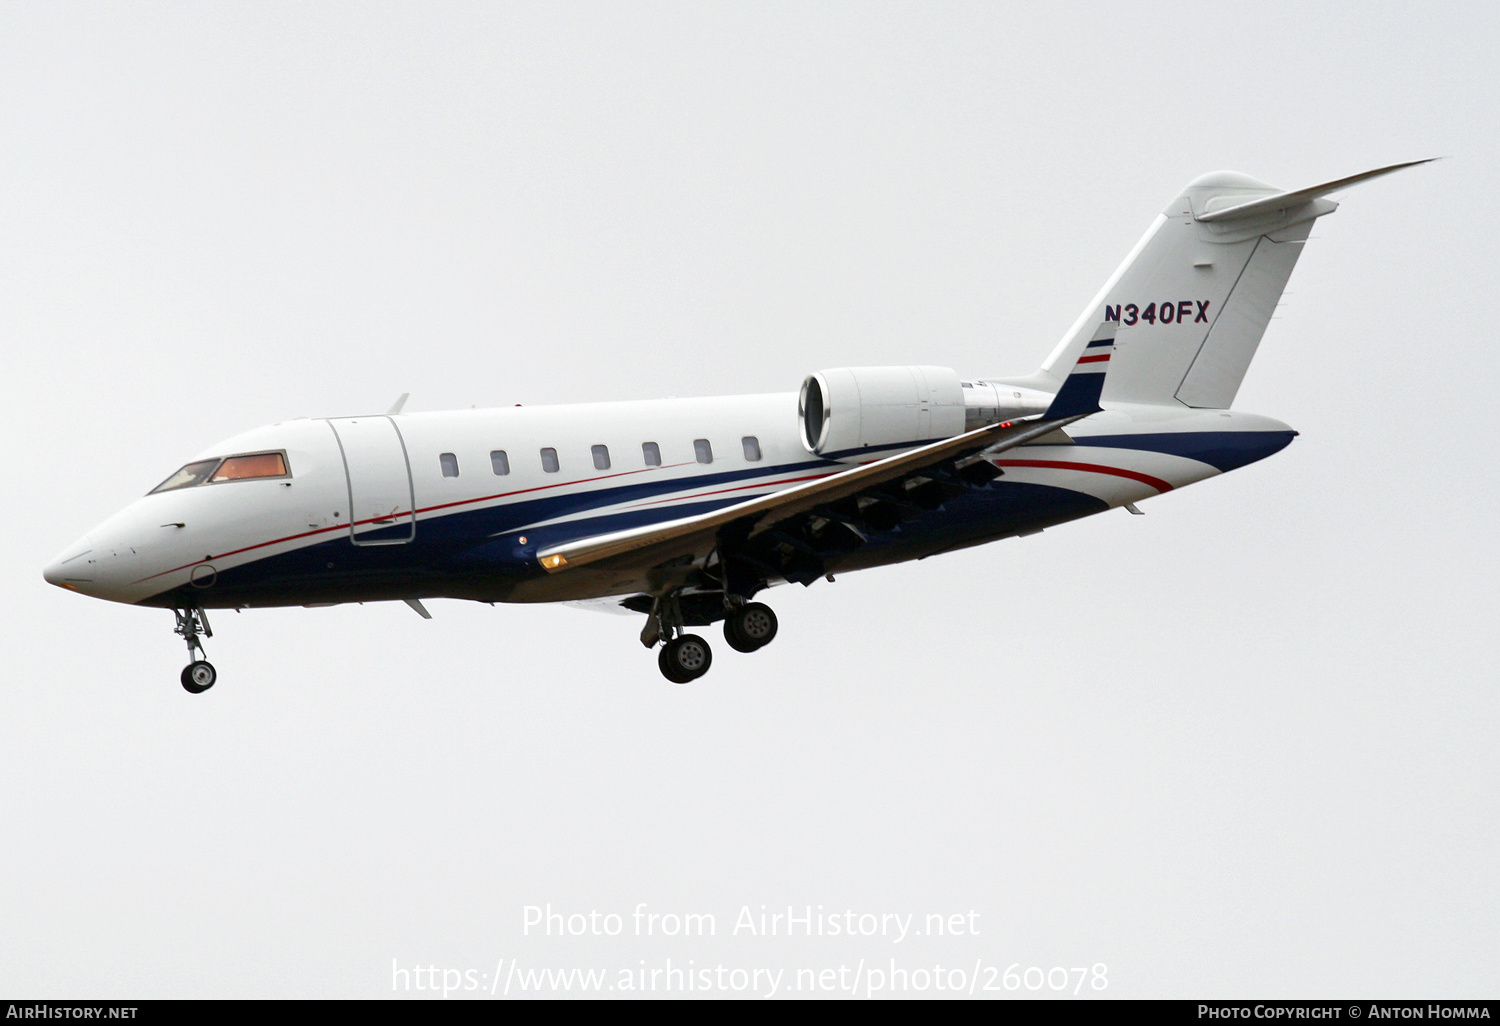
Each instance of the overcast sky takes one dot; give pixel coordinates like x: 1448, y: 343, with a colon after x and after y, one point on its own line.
x: 1244, y: 745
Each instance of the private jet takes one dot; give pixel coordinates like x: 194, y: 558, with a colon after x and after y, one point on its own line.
x: 684, y: 511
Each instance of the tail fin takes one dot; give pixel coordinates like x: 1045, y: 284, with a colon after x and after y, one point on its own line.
x: 1193, y: 298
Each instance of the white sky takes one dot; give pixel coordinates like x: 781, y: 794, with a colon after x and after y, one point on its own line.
x: 1244, y: 745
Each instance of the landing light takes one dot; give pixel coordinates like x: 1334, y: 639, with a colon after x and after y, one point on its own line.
x: 553, y: 562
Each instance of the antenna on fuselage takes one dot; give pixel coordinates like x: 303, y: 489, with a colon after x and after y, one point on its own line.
x: 396, y: 406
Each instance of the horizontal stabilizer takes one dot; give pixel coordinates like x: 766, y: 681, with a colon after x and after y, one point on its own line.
x: 1295, y: 198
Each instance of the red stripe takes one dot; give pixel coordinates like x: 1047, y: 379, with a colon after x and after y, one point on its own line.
x: 247, y: 548
x: 1094, y: 359
x: 424, y: 509
x: 1089, y: 468
x: 1093, y: 468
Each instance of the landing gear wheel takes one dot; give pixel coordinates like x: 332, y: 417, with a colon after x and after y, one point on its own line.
x: 198, y: 676
x: 750, y: 627
x: 666, y: 667
x: 685, y: 658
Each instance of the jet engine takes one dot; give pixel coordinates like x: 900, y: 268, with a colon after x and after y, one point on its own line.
x: 848, y: 411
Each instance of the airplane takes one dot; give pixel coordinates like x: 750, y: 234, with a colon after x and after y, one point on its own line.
x: 685, y: 510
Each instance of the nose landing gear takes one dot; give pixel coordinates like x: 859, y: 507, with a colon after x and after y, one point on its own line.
x: 199, y: 675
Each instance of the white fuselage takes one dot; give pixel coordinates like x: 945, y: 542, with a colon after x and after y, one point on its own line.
x: 414, y: 505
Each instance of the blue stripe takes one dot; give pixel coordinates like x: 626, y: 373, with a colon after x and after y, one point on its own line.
x: 550, y: 507
x: 1223, y: 450
x: 1079, y: 394
x: 515, y: 512
x: 476, y: 552
x: 467, y: 562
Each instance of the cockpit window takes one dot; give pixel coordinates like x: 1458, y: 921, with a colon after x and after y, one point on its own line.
x: 235, y: 468
x: 192, y: 474
x: 242, y: 468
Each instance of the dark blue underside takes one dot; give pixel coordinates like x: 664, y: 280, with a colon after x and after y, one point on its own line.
x: 477, y: 553
x: 1222, y: 450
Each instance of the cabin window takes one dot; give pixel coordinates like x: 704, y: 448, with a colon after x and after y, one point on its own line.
x: 601, y: 457
x: 752, y: 448
x: 500, y: 463
x: 449, y: 463
x: 192, y: 474
x: 652, y: 453
x: 702, y: 450
x: 549, y: 460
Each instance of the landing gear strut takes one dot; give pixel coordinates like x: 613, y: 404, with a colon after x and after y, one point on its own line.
x: 199, y: 675
x: 685, y: 657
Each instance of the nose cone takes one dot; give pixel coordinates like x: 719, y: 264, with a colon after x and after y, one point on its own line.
x: 110, y: 561
x: 75, y: 568
x: 97, y: 567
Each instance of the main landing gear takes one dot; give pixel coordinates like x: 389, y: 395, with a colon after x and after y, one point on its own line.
x: 686, y: 657
x: 750, y: 627
x: 198, y: 675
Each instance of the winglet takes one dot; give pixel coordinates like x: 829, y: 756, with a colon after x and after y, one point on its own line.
x: 1080, y: 392
x: 1287, y: 200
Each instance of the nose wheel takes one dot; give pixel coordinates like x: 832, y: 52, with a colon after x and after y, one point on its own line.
x: 198, y: 675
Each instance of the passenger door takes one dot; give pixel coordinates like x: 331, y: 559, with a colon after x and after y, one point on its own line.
x: 382, y: 504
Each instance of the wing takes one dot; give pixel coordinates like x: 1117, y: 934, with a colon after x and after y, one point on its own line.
x: 696, y: 536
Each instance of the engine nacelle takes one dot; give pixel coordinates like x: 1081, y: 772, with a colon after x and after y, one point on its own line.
x: 990, y: 402
x: 848, y: 410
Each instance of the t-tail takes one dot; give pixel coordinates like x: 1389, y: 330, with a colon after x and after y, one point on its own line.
x: 1187, y: 308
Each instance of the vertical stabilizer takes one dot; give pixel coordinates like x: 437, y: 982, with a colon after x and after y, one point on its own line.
x: 1192, y: 300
